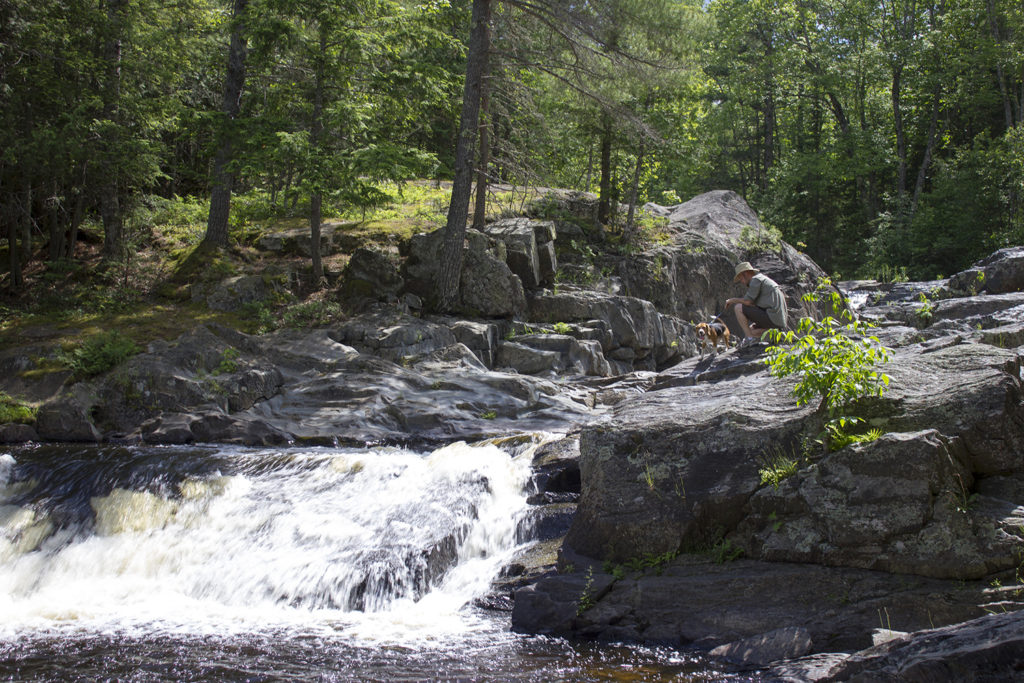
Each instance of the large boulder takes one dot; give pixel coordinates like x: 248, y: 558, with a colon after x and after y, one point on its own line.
x: 529, y: 247
x: 487, y: 286
x: 901, y: 504
x: 689, y: 455
x: 691, y: 275
x: 237, y: 291
x: 632, y: 330
x: 371, y: 275
x: 987, y: 648
x: 998, y: 273
x: 675, y: 467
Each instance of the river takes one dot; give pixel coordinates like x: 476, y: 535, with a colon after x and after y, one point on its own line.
x: 225, y: 563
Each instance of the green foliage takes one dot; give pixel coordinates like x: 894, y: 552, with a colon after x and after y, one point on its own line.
x: 98, y: 353
x: 839, y: 439
x: 311, y: 314
x: 13, y: 410
x: 228, y: 362
x: 586, y: 599
x: 761, y: 239
x: 724, y: 551
x: 925, y: 311
x: 489, y: 415
x: 562, y: 328
x: 835, y: 365
x: 776, y: 468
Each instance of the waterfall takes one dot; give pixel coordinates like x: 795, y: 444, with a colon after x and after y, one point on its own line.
x: 384, y: 542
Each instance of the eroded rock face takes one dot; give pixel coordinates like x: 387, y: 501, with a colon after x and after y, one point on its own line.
x: 900, y: 504
x: 689, y: 454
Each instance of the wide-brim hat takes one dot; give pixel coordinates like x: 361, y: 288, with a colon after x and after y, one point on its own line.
x: 742, y: 268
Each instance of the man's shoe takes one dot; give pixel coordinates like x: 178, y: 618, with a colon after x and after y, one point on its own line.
x: 748, y: 341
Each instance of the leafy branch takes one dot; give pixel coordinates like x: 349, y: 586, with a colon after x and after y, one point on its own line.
x: 837, y: 364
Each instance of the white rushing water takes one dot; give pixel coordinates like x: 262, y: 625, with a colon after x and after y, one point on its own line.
x: 383, y: 545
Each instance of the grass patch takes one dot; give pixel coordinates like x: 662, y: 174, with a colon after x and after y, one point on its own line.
x: 98, y: 353
x: 13, y: 410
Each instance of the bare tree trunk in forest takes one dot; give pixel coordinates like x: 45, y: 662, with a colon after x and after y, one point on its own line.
x: 450, y: 266
x: 58, y: 246
x: 922, y: 173
x: 480, y: 208
x: 13, y: 254
x: 110, y: 201
x: 604, y: 200
x: 223, y: 177
x: 897, y: 119
x: 77, y: 213
x: 993, y: 23
x: 634, y: 189
x: 316, y: 198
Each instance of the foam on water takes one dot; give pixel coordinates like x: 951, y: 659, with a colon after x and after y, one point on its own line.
x: 384, y: 544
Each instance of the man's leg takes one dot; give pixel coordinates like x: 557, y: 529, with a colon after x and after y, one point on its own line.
x: 754, y: 320
x: 741, y: 318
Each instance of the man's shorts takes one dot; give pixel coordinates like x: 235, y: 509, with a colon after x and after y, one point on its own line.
x: 759, y: 317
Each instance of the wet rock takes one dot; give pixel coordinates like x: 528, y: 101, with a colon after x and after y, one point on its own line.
x: 212, y: 426
x: 695, y: 600
x: 988, y: 648
x: 17, y: 433
x: 67, y: 418
x: 550, y: 606
x: 765, y: 648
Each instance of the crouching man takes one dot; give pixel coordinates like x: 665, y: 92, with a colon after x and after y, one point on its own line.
x: 761, y: 308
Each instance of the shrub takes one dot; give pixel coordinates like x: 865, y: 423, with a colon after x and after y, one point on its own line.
x: 311, y: 313
x: 99, y: 353
x: 13, y: 410
x: 836, y: 365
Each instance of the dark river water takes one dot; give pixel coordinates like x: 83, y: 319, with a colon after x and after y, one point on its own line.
x: 229, y: 564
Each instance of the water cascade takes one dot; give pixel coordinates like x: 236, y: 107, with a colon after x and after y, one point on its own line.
x: 222, y: 563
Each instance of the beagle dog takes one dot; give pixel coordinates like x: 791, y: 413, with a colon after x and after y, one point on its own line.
x: 709, y: 334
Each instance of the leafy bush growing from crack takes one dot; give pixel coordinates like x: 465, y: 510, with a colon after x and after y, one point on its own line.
x: 836, y: 364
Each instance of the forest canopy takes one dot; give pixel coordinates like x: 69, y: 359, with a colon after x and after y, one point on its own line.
x: 882, y: 137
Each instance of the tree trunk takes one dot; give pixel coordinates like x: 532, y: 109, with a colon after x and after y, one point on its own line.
x: 316, y: 199
x: 223, y: 176
x: 110, y: 201
x: 604, y: 198
x: 480, y: 208
x: 929, y: 150
x: 450, y: 266
x: 897, y: 120
x: 634, y: 190
x: 58, y: 247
